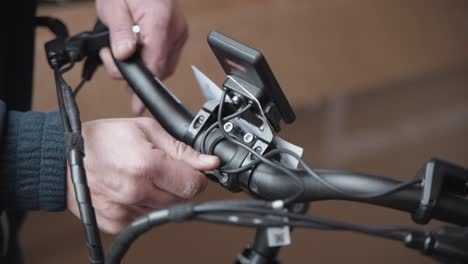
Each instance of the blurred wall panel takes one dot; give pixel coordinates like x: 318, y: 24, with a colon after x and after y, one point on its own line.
x: 353, y: 70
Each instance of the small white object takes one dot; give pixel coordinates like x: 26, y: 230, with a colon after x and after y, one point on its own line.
x: 228, y: 127
x: 278, y: 204
x: 234, y: 218
x: 278, y: 236
x: 136, y: 29
x: 248, y: 138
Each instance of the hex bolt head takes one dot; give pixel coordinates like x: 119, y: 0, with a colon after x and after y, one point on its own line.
x: 248, y: 137
x: 228, y: 127
x: 258, y: 150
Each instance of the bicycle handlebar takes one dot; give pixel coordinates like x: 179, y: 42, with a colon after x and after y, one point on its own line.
x: 170, y: 113
x: 270, y: 184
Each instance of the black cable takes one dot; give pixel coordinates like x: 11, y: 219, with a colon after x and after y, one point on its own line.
x: 373, y: 231
x: 259, y: 156
x: 57, y: 27
x: 74, y: 147
x: 67, y: 68
x: 79, y: 86
x: 396, y: 188
x: 312, y: 173
x: 61, y: 103
x: 254, y: 221
x: 225, y: 119
x: 127, y: 236
x: 220, y: 207
x: 240, y: 213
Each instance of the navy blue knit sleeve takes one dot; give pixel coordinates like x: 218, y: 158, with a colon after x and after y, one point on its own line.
x: 32, y: 162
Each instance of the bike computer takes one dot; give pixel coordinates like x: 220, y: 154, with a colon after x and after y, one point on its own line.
x: 249, y: 68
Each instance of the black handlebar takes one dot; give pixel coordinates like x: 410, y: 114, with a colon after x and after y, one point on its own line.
x: 270, y: 184
x: 172, y: 115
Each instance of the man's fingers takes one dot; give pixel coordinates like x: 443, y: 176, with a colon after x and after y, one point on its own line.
x: 177, y: 149
x: 120, y: 23
x: 109, y: 64
x: 179, y: 37
x: 154, y: 21
x: 173, y: 56
x: 176, y: 177
x: 138, y: 108
x: 182, y: 151
x: 159, y: 198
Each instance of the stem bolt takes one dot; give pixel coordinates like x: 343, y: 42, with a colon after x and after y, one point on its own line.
x: 248, y: 137
x: 228, y: 127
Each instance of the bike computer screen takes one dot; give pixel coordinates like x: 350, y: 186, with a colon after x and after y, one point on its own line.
x: 249, y: 65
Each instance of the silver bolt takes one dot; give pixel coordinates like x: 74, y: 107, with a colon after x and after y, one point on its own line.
x: 198, y: 122
x: 248, y: 138
x: 228, y: 127
x: 253, y: 188
x: 258, y: 150
x: 224, y: 179
x: 235, y: 99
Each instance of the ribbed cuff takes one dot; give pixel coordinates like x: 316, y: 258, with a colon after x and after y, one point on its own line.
x: 33, y: 174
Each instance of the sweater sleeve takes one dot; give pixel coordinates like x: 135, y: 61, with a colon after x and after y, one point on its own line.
x: 32, y: 162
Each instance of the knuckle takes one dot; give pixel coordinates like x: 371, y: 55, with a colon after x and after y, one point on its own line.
x: 194, y: 187
x: 131, y: 193
x: 181, y: 149
x: 113, y: 228
x: 118, y: 213
x: 121, y: 29
x: 147, y: 122
x: 139, y: 167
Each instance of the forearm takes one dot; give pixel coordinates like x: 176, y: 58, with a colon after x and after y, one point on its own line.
x: 32, y: 162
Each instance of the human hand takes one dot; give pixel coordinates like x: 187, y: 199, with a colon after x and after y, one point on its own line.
x: 133, y: 167
x: 163, y: 34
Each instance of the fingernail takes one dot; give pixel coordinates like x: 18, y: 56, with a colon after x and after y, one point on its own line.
x: 209, y: 160
x: 123, y: 49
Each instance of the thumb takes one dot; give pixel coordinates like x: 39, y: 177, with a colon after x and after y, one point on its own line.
x: 120, y: 23
x: 184, y: 152
x: 177, y: 149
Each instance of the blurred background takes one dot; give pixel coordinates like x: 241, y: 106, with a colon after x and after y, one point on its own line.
x: 377, y: 86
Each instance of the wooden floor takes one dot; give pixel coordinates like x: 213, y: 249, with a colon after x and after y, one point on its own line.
x: 377, y: 86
